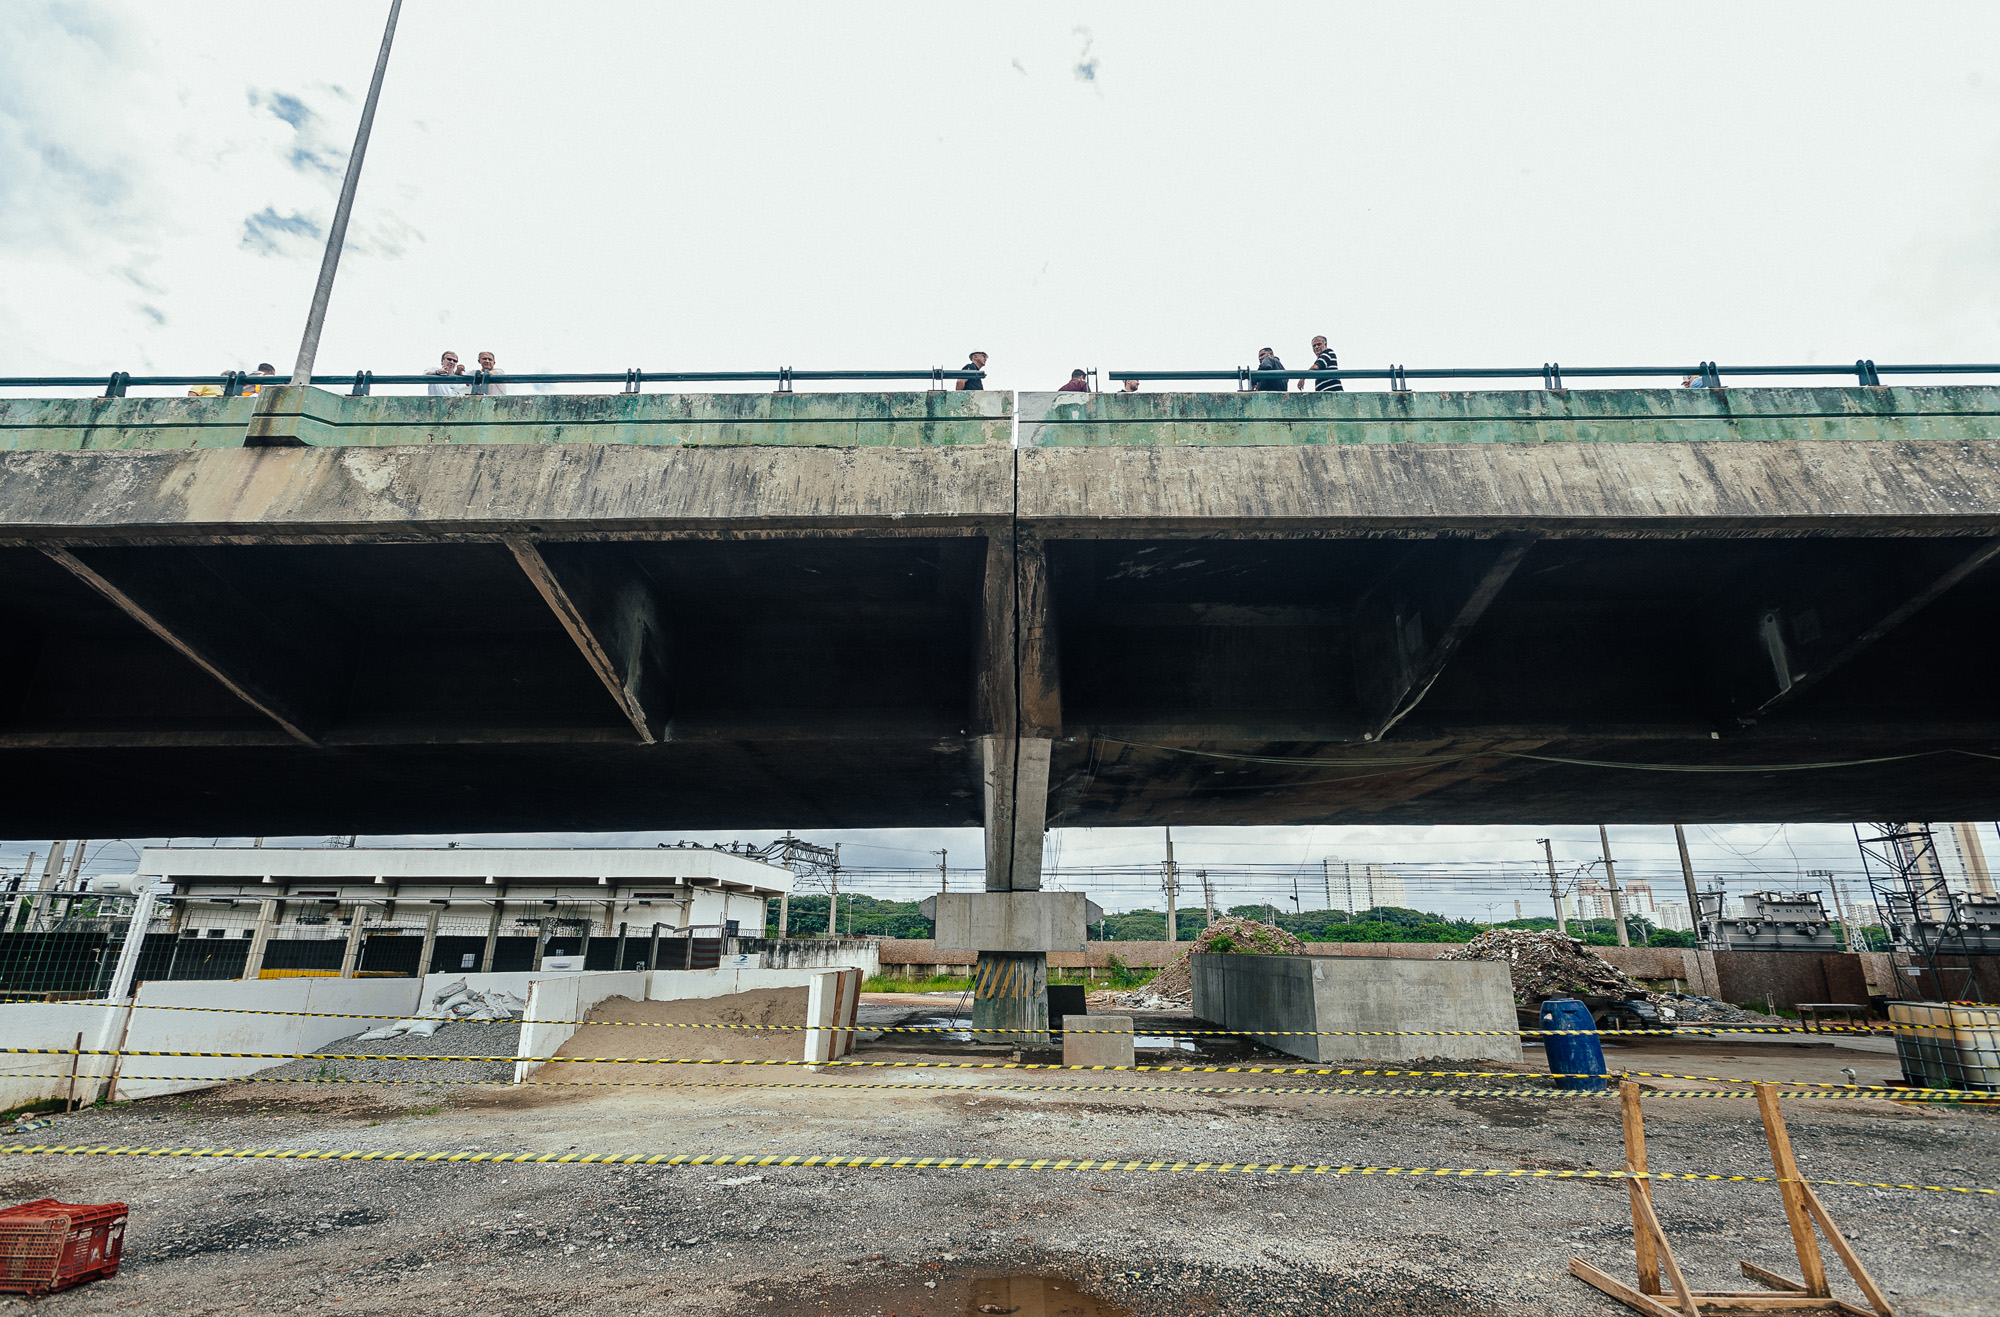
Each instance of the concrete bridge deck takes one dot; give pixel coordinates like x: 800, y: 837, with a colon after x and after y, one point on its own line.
x: 303, y: 612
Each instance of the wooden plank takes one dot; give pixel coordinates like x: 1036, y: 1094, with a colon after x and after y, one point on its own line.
x: 1771, y: 1278
x: 1789, y: 1188
x: 1620, y: 1291
x: 1646, y: 1239
x: 608, y: 606
x: 1848, y: 1257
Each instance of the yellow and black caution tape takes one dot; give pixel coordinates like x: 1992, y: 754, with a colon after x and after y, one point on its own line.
x: 984, y: 1089
x: 1981, y: 1095
x: 1693, y: 1030
x: 825, y: 1162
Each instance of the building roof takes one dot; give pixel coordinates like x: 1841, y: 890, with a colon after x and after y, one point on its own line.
x: 595, y: 867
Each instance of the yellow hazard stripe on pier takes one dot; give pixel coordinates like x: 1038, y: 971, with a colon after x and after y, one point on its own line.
x: 825, y: 1162
x: 1693, y: 1030
x: 1970, y: 1094
x: 503, y: 1085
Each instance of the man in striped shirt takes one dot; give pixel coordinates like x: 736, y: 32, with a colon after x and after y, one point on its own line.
x: 1323, y: 359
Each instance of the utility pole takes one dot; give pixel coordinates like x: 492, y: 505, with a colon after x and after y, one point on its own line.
x: 75, y: 877
x: 833, y: 894
x: 944, y: 875
x: 336, y: 234
x: 1555, y: 893
x: 1839, y: 910
x: 1207, y: 896
x: 1326, y: 873
x: 1687, y: 880
x: 1617, y: 893
x: 1172, y: 877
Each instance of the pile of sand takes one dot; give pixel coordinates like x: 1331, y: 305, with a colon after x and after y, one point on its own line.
x: 619, y: 1027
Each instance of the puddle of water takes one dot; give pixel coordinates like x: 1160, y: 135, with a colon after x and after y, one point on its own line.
x: 1033, y: 1296
x: 977, y: 1296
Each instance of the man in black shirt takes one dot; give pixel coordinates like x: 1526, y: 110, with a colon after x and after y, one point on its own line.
x: 1324, y: 359
x: 978, y: 362
x: 1268, y: 360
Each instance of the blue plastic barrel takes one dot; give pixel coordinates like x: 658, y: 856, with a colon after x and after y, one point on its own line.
x: 1578, y: 1058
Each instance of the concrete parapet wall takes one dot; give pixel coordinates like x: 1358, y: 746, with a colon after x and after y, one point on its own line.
x: 322, y: 418
x: 1285, y: 1001
x: 1051, y: 420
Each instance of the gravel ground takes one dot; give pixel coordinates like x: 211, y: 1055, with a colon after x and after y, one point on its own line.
x: 459, y: 1038
x: 388, y: 1238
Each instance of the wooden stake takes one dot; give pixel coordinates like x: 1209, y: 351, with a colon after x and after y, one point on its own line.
x: 1810, y: 1266
x: 74, y: 1057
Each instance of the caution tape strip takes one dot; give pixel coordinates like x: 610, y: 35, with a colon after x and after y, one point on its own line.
x: 1973, y: 1094
x: 504, y: 1085
x: 939, y: 1164
x: 1692, y: 1030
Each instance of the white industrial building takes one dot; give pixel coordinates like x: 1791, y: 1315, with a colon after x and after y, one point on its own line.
x: 476, y: 899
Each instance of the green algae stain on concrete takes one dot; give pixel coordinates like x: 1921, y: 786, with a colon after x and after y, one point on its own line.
x: 1113, y: 420
x: 316, y: 417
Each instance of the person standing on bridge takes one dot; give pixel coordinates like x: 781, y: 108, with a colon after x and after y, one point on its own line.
x: 1268, y: 360
x: 447, y: 365
x: 1324, y: 359
x: 976, y: 362
x: 1078, y: 383
x: 491, y: 368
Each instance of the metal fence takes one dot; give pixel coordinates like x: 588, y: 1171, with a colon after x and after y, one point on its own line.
x: 236, y: 383
x: 1701, y: 375
x: 1552, y: 375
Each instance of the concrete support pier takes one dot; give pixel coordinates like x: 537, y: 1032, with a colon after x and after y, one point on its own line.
x: 1010, y: 997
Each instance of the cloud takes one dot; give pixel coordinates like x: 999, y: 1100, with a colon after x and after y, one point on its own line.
x: 266, y: 231
x: 311, y: 150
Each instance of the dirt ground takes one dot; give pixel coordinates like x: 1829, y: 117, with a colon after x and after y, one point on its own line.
x: 356, y: 1237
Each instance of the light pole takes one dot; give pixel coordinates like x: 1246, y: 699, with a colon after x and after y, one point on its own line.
x: 336, y: 234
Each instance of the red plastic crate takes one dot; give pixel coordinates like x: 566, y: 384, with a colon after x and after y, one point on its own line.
x: 47, y: 1246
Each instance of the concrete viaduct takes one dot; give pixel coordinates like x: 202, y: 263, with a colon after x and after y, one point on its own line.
x: 302, y: 612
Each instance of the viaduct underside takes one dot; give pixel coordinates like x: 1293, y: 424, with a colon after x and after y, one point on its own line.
x: 553, y: 614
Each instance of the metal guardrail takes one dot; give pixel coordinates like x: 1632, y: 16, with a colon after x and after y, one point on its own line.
x: 1708, y: 373
x: 235, y: 383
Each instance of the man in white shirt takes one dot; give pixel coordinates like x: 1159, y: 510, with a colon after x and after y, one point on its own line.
x: 447, y: 365
x: 491, y: 368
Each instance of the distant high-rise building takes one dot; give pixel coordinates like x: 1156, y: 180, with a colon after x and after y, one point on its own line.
x: 1961, y: 858
x: 1358, y: 885
x: 1674, y: 915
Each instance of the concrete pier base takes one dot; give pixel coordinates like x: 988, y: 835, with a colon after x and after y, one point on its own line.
x: 1010, y: 997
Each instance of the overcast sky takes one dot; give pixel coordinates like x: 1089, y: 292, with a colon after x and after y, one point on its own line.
x: 1133, y: 185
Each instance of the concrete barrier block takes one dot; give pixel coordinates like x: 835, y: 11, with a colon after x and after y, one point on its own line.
x: 1334, y: 1008
x: 1109, y: 1041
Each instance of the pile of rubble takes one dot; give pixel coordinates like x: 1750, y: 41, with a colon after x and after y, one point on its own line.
x: 1173, y: 986
x: 1549, y: 964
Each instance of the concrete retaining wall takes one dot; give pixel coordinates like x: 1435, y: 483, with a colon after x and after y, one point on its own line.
x: 555, y: 1004
x: 373, y: 1001
x: 1263, y: 996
